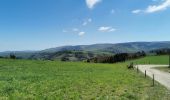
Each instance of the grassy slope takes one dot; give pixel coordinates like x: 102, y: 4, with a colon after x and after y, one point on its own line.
x: 66, y: 80
x: 153, y: 60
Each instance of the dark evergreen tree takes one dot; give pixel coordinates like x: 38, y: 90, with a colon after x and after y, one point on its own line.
x: 12, y: 56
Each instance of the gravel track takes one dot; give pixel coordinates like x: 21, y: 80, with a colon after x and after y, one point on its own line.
x: 160, y: 76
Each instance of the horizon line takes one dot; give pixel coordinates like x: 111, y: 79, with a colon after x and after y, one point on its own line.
x: 75, y: 45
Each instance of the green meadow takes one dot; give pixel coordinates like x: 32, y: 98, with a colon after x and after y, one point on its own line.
x: 49, y: 80
x: 153, y: 60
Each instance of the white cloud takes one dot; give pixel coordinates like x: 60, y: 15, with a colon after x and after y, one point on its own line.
x: 81, y: 33
x: 87, y: 21
x: 75, y: 29
x: 92, y: 3
x: 106, y: 29
x: 84, y: 23
x: 154, y: 8
x: 136, y: 11
x: 112, y: 30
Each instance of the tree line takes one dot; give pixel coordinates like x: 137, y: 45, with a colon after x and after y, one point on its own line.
x: 163, y: 51
x: 11, y: 56
x: 120, y: 57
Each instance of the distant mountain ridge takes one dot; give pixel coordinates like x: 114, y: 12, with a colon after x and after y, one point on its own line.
x: 88, y: 50
x: 93, y: 47
x: 115, y: 48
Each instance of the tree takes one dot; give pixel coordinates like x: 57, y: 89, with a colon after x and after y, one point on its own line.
x: 12, y: 56
x: 64, y: 59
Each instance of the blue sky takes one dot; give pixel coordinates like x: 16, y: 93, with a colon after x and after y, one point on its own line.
x: 40, y: 24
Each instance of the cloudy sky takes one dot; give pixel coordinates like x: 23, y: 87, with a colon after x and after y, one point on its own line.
x: 40, y: 24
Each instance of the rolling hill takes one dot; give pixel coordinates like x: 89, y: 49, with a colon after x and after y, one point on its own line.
x: 87, y: 51
x: 114, y: 48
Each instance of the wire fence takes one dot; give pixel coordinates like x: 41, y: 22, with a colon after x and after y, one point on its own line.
x: 154, y: 84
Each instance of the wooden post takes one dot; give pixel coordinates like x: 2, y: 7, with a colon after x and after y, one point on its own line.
x: 153, y: 80
x: 137, y: 69
x: 145, y: 73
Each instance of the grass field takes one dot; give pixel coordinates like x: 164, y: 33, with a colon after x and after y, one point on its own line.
x: 26, y: 79
x: 153, y: 60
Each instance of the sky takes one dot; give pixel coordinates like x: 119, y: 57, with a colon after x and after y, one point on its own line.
x: 41, y: 24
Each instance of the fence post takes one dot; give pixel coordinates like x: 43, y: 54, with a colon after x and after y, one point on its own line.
x: 153, y: 80
x: 137, y: 69
x: 145, y: 73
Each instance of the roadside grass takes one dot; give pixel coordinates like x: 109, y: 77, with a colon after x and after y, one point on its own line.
x: 33, y: 79
x: 153, y: 60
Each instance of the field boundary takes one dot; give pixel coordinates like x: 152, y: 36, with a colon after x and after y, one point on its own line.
x: 160, y: 76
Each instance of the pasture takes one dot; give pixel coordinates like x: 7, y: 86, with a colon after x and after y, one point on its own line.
x: 33, y: 79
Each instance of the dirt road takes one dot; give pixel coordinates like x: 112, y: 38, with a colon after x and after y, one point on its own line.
x: 160, y: 76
